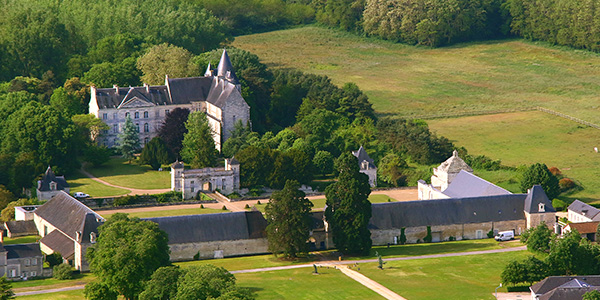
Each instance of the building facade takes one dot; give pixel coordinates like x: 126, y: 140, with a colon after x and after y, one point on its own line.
x: 190, y: 182
x: 217, y: 93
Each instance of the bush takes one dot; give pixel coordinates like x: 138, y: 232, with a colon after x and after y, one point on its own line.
x: 54, y: 259
x: 224, y: 207
x: 247, y: 206
x: 62, y: 272
x: 402, y: 236
x: 566, y: 184
x: 197, y: 256
x: 490, y: 233
x: 258, y: 202
x: 428, y: 238
x: 126, y: 200
x: 169, y: 197
x: 555, y: 171
x: 452, y: 238
x: 201, y: 205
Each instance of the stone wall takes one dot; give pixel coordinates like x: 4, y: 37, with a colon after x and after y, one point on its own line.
x: 444, y: 232
x: 236, y: 109
x: 206, y: 250
x: 535, y: 219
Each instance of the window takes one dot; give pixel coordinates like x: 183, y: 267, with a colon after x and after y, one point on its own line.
x: 12, y: 273
x: 126, y: 115
x: 104, y: 116
x: 146, y: 127
x: 115, y: 128
x: 114, y: 116
x: 137, y: 115
x: 166, y: 112
x: 45, y: 230
x: 146, y: 141
x: 137, y: 127
x: 145, y: 115
x: 53, y: 186
x: 33, y: 273
x: 223, y: 184
x: 33, y: 262
x: 27, y: 262
x: 93, y: 237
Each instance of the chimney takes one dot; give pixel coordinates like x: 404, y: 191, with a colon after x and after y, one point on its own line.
x: 147, y: 87
x: 116, y: 87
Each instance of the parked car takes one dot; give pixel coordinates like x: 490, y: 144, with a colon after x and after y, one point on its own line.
x: 80, y: 195
x: 504, y: 236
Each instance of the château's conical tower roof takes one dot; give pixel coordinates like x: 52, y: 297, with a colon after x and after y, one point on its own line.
x: 225, y: 68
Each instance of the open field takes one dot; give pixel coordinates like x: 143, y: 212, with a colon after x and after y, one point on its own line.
x: 81, y: 183
x: 167, y: 213
x: 302, y: 284
x: 460, y: 277
x: 119, y: 172
x: 21, y: 240
x: 416, y: 81
x: 528, y: 137
x: 264, y: 261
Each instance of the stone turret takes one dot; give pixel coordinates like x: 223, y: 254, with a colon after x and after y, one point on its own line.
x: 225, y: 69
x: 445, y: 173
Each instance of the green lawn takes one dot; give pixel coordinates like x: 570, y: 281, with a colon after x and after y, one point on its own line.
x: 21, y: 240
x: 71, y: 295
x: 119, y: 171
x: 416, y: 81
x: 81, y: 183
x: 302, y: 284
x: 246, y: 262
x: 51, y: 283
x: 460, y: 277
x: 167, y: 213
x: 526, y: 138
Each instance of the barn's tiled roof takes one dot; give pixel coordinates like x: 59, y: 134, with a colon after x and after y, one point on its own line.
x: 447, y: 211
x: 585, y: 227
x: 212, y: 227
x: 60, y: 243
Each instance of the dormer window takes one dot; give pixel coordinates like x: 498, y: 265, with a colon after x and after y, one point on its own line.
x: 93, y: 237
x: 541, y: 207
x: 53, y: 186
x: 364, y: 165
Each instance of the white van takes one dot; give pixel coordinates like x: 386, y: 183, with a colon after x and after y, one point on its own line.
x: 505, y: 236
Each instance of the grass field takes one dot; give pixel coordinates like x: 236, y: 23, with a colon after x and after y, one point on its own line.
x: 21, y: 240
x: 167, y: 213
x: 119, y: 171
x: 71, y: 295
x: 528, y: 137
x: 302, y: 284
x: 415, y: 81
x: 460, y: 277
x: 81, y: 183
x: 319, y: 203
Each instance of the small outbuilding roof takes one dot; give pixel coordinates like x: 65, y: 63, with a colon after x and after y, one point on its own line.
x: 60, y: 243
x: 585, y: 227
x: 23, y: 250
x: 20, y: 228
x: 553, y: 282
x: 466, y: 185
x: 48, y: 177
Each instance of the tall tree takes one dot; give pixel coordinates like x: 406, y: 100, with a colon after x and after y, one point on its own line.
x: 165, y: 59
x: 173, y: 129
x: 198, y: 145
x: 539, y: 239
x: 127, y: 252
x: 256, y: 164
x: 348, y: 207
x: 288, y: 214
x: 129, y: 140
x: 162, y: 284
x: 539, y: 174
x: 6, y: 291
x: 156, y: 153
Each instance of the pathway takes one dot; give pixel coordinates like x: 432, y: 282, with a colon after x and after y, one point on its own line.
x: 346, y: 262
x: 370, y: 283
x: 132, y: 190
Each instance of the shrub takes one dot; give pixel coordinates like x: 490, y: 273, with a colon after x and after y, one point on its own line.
x: 555, y: 171
x: 224, y: 207
x: 168, y: 197
x: 247, y: 206
x: 201, y: 205
x: 490, y: 233
x: 258, y: 202
x: 126, y: 200
x: 566, y: 184
x: 197, y: 256
x: 54, y: 259
x: 62, y: 272
x: 452, y: 238
x: 402, y: 236
x: 428, y: 238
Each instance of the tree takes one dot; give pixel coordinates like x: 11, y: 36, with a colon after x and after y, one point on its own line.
x: 129, y: 140
x: 348, y: 207
x: 539, y: 174
x: 6, y: 291
x: 162, y: 284
x: 288, y: 214
x: 390, y: 170
x: 99, y: 291
x: 527, y: 271
x: 165, y: 59
x: 127, y: 252
x: 256, y: 165
x: 591, y: 295
x: 156, y: 153
x: 96, y: 155
x: 562, y: 258
x: 173, y: 129
x: 54, y: 259
x: 205, y: 282
x: 323, y: 161
x: 6, y: 197
x: 539, y: 239
x: 89, y: 128
x: 198, y: 147
x: 62, y: 272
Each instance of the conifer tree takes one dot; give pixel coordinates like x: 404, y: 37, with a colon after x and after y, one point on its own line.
x: 539, y: 174
x: 348, y: 207
x: 198, y: 145
x: 288, y: 214
x: 129, y: 140
x: 156, y: 153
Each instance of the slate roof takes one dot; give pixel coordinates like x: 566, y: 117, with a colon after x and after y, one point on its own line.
x: 113, y: 97
x: 536, y: 196
x: 21, y: 227
x: 177, y: 165
x: 212, y: 227
x: 466, y: 185
x: 89, y: 225
x: 60, y: 243
x: 454, y: 164
x: 552, y: 282
x: 584, y: 209
x: 23, y: 250
x: 65, y: 213
x: 447, y: 211
x: 567, y: 293
x: 361, y: 155
x: 225, y: 68
x: 585, y: 227
x: 49, y: 176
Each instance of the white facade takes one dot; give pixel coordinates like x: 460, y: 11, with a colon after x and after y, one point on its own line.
x: 190, y: 182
